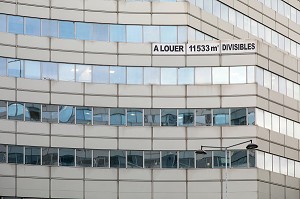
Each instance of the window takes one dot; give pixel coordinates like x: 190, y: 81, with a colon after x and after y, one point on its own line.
x: 252, y: 158
x: 238, y: 116
x: 203, y: 117
x: 135, y: 75
x: 49, y: 156
x: 134, y: 159
x: 186, y: 117
x: 117, y: 33
x: 83, y: 157
x: 267, y: 79
x: 224, y: 12
x: 15, y: 111
x: 240, y: 20
x: 66, y: 72
x: 3, y: 110
x: 84, y: 31
x: 239, y: 158
x: 101, y: 74
x: 100, y: 32
x: 134, y: 117
x: 186, y: 159
x: 2, y: 23
x: 83, y: 73
x: 49, y: 28
x: 168, y: 117
x: 152, y: 159
x: 33, y: 26
x: 291, y: 168
x: 290, y: 128
x: 169, y: 76
x: 151, y: 75
x: 268, y: 161
x: 268, y: 120
x: 117, y: 75
x: 282, y: 86
x: 169, y: 159
x: 182, y: 34
x: 15, y: 24
x: 32, y: 70
x: 33, y: 155
x: 221, y: 117
x: 283, y: 166
x: 151, y: 117
x: 276, y: 164
x: 15, y: 68
x: 117, y: 116
x: 83, y: 115
x: 185, y: 76
x: 260, y: 160
x: 49, y: 71
x: 290, y: 89
x: 117, y: 159
x: 100, y: 158
x: 282, y: 125
x: 251, y: 116
x: 2, y: 66
x: 220, y: 160
x: 220, y: 75
x: 32, y: 112
x: 216, y: 8
x: 168, y: 34
x: 66, y: 30
x: 238, y: 75
x: 100, y: 116
x: 66, y: 157
x: 66, y: 114
x: 134, y: 34
x: 2, y: 153
x: 208, y: 7
x: 275, y: 123
x: 203, y: 75
x: 15, y: 154
x: 151, y: 34
x: 204, y: 160
x: 50, y: 113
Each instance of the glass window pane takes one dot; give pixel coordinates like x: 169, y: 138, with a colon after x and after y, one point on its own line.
x: 151, y: 34
x: 32, y: 112
x: 238, y: 158
x: 220, y: 75
x: 276, y: 164
x: 15, y: 111
x: 268, y: 120
x: 83, y: 73
x: 203, y: 75
x: 15, y: 68
x: 260, y: 76
x: 254, y: 27
x: 2, y: 23
x: 151, y: 75
x: 100, y: 32
x: 134, y: 34
x: 208, y: 6
x: 247, y: 24
x: 260, y: 159
x: 290, y: 89
x: 251, y: 116
x: 182, y: 34
x: 3, y: 110
x: 117, y: 159
x: 100, y: 158
x: 252, y: 158
x: 203, y: 117
x: 185, y: 76
x: 275, y: 123
x: 297, y: 169
x: 135, y: 75
x: 100, y: 116
x: 268, y: 162
x: 220, y: 117
x: 33, y: 26
x: 238, y: 75
x: 117, y: 75
x: 67, y: 114
x: 232, y: 16
x: 134, y: 159
x: 168, y: 117
x: 83, y: 157
x: 296, y: 130
x: 290, y: 128
x: 220, y: 160
x: 267, y: 79
x: 33, y: 155
x: 191, y: 34
x: 186, y: 117
x: 84, y: 115
x: 134, y: 117
x: 117, y: 116
x: 152, y: 159
x: 186, y: 159
x: 282, y: 125
x: 224, y: 12
x: 84, y: 31
x: 291, y: 168
x: 66, y: 72
x: 49, y: 156
x: 49, y: 28
x: 169, y: 76
x: 238, y: 116
x: 275, y: 38
x: 283, y: 166
x: 2, y: 153
x: 117, y: 33
x: 3, y: 66
x: 259, y: 117
x: 204, y: 160
x: 240, y: 20
x: 66, y: 157
x: 168, y: 34
x: 169, y: 159
x: 50, y: 113
x: 49, y: 71
x: 32, y: 69
x: 282, y: 85
x: 216, y: 8
x: 296, y: 91
x: 66, y: 30
x: 151, y: 117
x: 101, y: 74
x: 275, y: 82
x: 15, y: 24
x: 15, y: 154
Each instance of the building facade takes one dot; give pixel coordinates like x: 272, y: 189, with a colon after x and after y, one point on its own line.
x: 111, y: 99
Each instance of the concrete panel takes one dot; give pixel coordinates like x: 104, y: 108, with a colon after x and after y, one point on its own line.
x: 203, y: 132
x: 203, y: 102
x: 169, y: 132
x: 33, y: 171
x: 33, y: 85
x: 101, y: 131
x: 62, y: 56
x: 129, y: 190
x: 105, y: 189
x: 34, y: 54
x: 169, y: 103
x: 39, y: 140
x: 67, y: 130
x: 100, y: 47
x: 135, y: 90
x: 98, y: 143
x: 66, y: 188
x: 37, y: 97
x: 238, y: 60
x: 135, y: 102
x: 135, y: 144
x: 174, y: 190
x: 7, y: 186
x: 68, y: 99
x: 8, y: 82
x: 101, y: 174
x: 169, y: 145
x: 68, y: 142
x: 103, y: 89
x: 66, y: 172
x: 33, y: 41
x: 33, y: 128
x: 198, y: 190
x: 196, y: 144
x: 135, y: 174
x: 168, y: 61
x: 28, y: 187
x: 101, y: 101
x: 169, y: 91
x: 9, y: 95
x: 169, y: 175
x: 205, y: 91
x: 135, y: 132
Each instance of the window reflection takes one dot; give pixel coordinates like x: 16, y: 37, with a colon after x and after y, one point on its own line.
x: 2, y: 23
x: 151, y: 75
x: 186, y: 76
x: 33, y: 155
x: 33, y: 26
x: 83, y: 115
x: 134, y: 34
x: 204, y: 160
x: 100, y: 116
x: 66, y: 157
x: 221, y: 117
x: 83, y: 157
x: 49, y: 71
x: 151, y: 117
x: 15, y: 24
x: 134, y: 159
x: 203, y: 117
x: 49, y: 28
x: 238, y: 116
x: 15, y: 154
x: 15, y: 111
x: 220, y: 159
x: 186, y: 117
x: 2, y: 66
x: 168, y: 34
x: 239, y: 158
x: 169, y: 76
x: 15, y: 68
x: 220, y: 75
x: 168, y: 117
x: 169, y: 159
x: 117, y: 116
x: 100, y: 158
x: 66, y: 30
x: 152, y: 159
x: 66, y: 72
x: 251, y: 116
x: 117, y: 159
x: 49, y: 156
x: 84, y: 31
x: 67, y: 114
x: 203, y: 75
x: 32, y: 112
x: 134, y: 75
x: 117, y: 75
x: 100, y: 32
x: 50, y: 113
x: 83, y: 73
x: 238, y: 75
x: 2, y: 153
x: 3, y: 110
x: 117, y: 33
x: 134, y: 117
x: 101, y: 74
x: 186, y: 159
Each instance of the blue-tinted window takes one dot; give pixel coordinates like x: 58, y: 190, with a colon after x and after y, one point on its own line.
x: 182, y: 34
x: 239, y: 158
x: 33, y: 155
x: 203, y: 117
x: 3, y: 110
x: 15, y: 24
x: 151, y: 34
x: 152, y: 159
x: 117, y: 116
x: 134, y: 117
x: 32, y: 112
x: 151, y: 75
x: 238, y: 116
x: 186, y: 159
x: 2, y: 23
x: 204, y: 160
x: 169, y: 159
x: 168, y: 34
x: 83, y: 73
x: 49, y: 70
x: 117, y: 159
x: 185, y: 76
x: 220, y: 160
x: 251, y: 116
x: 83, y: 115
x: 66, y: 30
x: 117, y: 75
x: 49, y: 28
x: 15, y: 68
x: 168, y: 117
x: 134, y: 75
x: 66, y: 114
x: 221, y: 117
x: 169, y: 76
x: 49, y: 156
x: 134, y: 159
x: 2, y: 153
x: 134, y: 33
x: 33, y: 26
x: 3, y: 66
x: 15, y: 154
x: 32, y: 69
x: 151, y: 117
x: 100, y: 116
x: 100, y: 32
x: 50, y: 113
x: 66, y: 72
x: 101, y: 74
x: 66, y: 157
x: 83, y: 157
x: 117, y: 33
x: 15, y: 111
x: 100, y: 158
x: 84, y: 31
x: 186, y: 117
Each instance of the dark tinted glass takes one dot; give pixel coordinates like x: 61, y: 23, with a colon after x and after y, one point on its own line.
x: 134, y: 159
x: 134, y: 117
x: 2, y: 153
x: 251, y: 158
x: 168, y: 117
x: 117, y: 116
x: 15, y: 154
x: 221, y: 117
x: 203, y: 117
x: 186, y: 159
x: 83, y: 115
x: 66, y: 114
x: 32, y: 112
x: 100, y: 158
x: 238, y: 116
x: 67, y: 157
x: 220, y: 160
x: 33, y: 155
x: 3, y: 110
x: 169, y: 159
x: 239, y: 158
x: 151, y: 117
x: 117, y: 159
x: 100, y: 116
x: 152, y: 159
x: 185, y: 117
x: 49, y: 156
x: 83, y: 157
x: 15, y: 111
x: 204, y: 160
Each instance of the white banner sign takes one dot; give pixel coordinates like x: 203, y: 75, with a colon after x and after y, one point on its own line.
x: 206, y: 47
